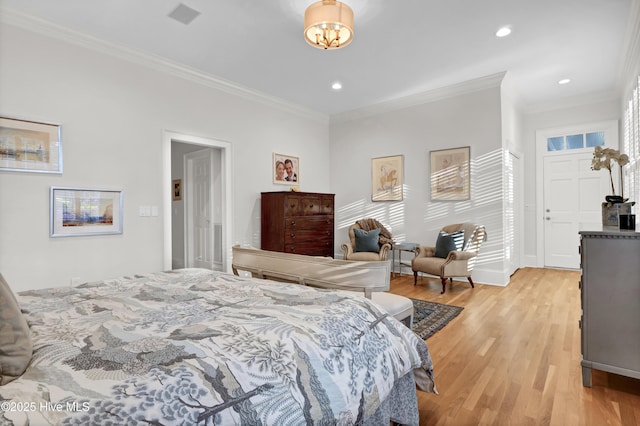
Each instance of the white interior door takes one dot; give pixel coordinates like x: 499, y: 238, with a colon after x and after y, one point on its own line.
x: 199, y: 215
x: 573, y: 194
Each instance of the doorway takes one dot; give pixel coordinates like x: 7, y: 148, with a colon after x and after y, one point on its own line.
x: 202, y: 169
x: 569, y: 193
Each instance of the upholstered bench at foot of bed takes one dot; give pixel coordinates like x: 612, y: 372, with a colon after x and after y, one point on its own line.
x: 399, y: 307
x: 370, y: 278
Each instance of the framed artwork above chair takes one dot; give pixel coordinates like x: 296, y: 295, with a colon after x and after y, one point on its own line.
x: 387, y: 176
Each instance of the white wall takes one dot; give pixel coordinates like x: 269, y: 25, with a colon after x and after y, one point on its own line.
x: 113, y: 113
x: 513, y: 206
x: 471, y: 119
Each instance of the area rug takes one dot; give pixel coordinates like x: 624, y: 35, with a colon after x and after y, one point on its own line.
x: 429, y: 317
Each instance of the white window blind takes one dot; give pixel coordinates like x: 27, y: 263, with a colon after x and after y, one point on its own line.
x: 631, y: 173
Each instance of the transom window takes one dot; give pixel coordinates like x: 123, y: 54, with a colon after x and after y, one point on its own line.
x: 575, y: 141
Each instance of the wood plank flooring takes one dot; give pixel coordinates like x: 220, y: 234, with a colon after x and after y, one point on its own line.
x: 512, y: 357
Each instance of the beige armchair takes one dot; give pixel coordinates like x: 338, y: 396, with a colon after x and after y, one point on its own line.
x: 457, y: 263
x: 376, y: 249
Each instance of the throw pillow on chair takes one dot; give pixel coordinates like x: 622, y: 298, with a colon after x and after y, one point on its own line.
x: 367, y: 240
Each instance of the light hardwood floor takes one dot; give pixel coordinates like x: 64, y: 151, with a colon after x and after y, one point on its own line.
x: 512, y: 356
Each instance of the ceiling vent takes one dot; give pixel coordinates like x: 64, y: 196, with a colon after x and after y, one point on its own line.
x: 184, y: 14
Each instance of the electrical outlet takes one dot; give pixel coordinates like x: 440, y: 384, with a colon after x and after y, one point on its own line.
x: 75, y: 281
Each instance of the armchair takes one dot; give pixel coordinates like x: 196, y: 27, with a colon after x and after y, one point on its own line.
x: 454, y: 254
x: 368, y: 240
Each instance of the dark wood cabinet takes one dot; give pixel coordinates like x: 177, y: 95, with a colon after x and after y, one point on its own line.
x: 297, y: 222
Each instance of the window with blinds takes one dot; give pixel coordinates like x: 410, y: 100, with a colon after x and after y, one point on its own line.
x: 631, y: 173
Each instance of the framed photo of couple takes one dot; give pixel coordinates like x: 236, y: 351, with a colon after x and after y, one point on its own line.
x: 286, y: 169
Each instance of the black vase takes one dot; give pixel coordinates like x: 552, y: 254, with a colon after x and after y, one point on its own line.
x: 614, y: 199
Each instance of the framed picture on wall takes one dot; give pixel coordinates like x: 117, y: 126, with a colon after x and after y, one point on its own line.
x: 30, y: 146
x: 176, y: 185
x: 450, y: 174
x: 286, y: 169
x: 80, y: 212
x: 386, y: 178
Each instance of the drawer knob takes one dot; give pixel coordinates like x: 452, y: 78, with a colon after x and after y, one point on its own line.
x: 310, y: 206
x: 293, y: 222
x: 292, y: 249
x: 293, y: 235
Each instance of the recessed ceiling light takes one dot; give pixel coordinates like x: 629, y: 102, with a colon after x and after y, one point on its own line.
x: 503, y: 32
x: 564, y: 81
x: 336, y: 86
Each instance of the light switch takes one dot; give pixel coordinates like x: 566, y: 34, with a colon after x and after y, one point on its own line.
x: 154, y: 211
x: 145, y: 211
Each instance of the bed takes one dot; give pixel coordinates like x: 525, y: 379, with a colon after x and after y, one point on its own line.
x: 195, y: 346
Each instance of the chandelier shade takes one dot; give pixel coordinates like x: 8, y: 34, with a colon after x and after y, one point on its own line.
x: 328, y: 24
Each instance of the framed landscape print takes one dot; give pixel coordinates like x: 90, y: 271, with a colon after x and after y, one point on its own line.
x: 286, y: 169
x: 450, y: 174
x: 30, y: 146
x: 78, y: 211
x: 386, y: 178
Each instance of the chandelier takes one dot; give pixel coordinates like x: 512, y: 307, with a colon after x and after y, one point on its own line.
x: 328, y: 24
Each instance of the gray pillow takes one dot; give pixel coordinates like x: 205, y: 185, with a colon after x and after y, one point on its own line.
x: 16, y: 347
x: 448, y: 242
x: 367, y: 240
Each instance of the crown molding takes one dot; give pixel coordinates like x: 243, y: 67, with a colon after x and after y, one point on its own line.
x: 157, y: 63
x: 572, y: 102
x: 434, y: 95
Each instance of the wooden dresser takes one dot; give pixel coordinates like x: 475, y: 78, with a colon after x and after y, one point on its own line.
x: 298, y: 222
x: 610, y: 299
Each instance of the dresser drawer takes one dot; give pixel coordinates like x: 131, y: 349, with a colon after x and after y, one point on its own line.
x: 311, y: 248
x: 311, y: 223
x: 310, y: 205
x: 291, y: 206
x: 327, y: 205
x: 319, y: 236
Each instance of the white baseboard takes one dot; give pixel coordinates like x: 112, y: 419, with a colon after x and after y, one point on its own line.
x: 531, y: 261
x: 490, y: 277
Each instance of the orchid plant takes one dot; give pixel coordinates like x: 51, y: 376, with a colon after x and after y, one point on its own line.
x: 603, y: 158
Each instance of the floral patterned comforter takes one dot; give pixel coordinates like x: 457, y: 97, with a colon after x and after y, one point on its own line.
x: 195, y: 346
